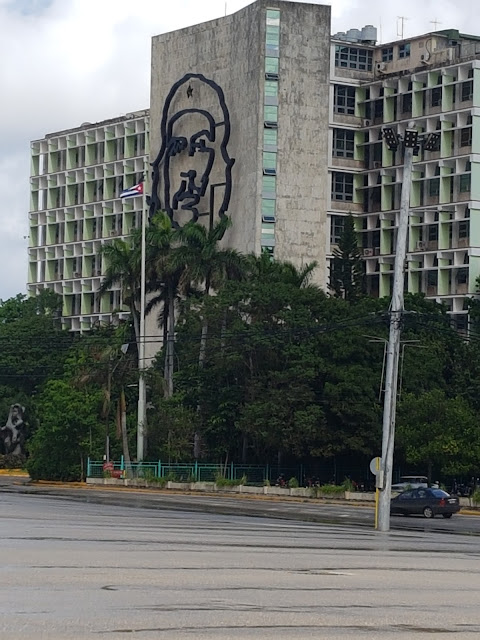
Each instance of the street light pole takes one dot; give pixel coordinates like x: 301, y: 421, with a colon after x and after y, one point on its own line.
x: 142, y: 391
x: 393, y: 350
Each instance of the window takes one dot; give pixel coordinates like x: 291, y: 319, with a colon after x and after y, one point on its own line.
x: 342, y: 186
x: 353, y: 58
x: 270, y: 138
x: 466, y: 137
x: 269, y: 162
x: 387, y: 54
x: 269, y: 185
x: 432, y: 278
x: 432, y: 233
x: 436, y: 97
x: 465, y: 179
x: 404, y: 50
x: 271, y: 65
x: 273, y: 34
x: 336, y: 229
x: 268, y: 209
x: 463, y: 230
x: 271, y: 89
x: 407, y: 103
x: 467, y: 90
x: 344, y: 99
x: 462, y: 276
x: 343, y: 143
x: 434, y: 184
x: 270, y: 114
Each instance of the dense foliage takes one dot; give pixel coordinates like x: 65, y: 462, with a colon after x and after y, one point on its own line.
x: 258, y: 365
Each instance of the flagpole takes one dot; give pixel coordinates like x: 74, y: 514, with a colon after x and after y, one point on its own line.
x: 142, y: 395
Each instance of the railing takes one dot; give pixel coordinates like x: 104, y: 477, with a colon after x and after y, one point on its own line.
x: 194, y: 471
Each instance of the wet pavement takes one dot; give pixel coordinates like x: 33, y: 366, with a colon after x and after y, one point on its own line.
x: 88, y: 569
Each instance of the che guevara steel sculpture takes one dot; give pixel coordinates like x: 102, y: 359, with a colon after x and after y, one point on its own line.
x: 192, y: 173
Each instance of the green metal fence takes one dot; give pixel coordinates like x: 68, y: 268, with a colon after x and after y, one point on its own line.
x: 194, y: 471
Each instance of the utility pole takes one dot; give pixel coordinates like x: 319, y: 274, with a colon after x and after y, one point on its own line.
x: 410, y: 142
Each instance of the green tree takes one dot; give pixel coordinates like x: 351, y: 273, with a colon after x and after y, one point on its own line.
x: 69, y: 431
x: 347, y: 270
x: 440, y: 432
x: 208, y: 266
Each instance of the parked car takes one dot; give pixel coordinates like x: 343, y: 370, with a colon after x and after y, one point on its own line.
x: 426, y: 502
x: 410, y: 482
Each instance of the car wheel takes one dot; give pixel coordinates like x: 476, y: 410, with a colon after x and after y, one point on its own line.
x: 447, y: 515
x: 428, y: 512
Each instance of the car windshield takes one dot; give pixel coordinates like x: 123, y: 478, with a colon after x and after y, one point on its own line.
x: 439, y: 493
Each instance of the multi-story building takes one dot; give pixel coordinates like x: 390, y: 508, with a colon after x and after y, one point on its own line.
x: 77, y: 178
x: 432, y: 81
x: 302, y: 115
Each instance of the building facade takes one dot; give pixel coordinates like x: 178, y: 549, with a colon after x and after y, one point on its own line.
x: 266, y: 118
x: 432, y: 81
x: 77, y: 178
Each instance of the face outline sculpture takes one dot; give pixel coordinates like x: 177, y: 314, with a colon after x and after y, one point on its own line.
x: 188, y: 168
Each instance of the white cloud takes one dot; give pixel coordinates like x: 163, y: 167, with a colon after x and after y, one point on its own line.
x: 69, y: 61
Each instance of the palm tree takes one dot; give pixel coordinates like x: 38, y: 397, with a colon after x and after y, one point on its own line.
x: 123, y: 259
x: 164, y: 279
x: 204, y: 264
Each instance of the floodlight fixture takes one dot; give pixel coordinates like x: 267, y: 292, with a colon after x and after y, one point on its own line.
x: 432, y: 142
x: 391, y: 138
x: 410, y: 139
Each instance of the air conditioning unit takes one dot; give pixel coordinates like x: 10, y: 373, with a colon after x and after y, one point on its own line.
x: 376, y: 251
x: 368, y: 253
x: 463, y: 242
x: 77, y: 274
x: 366, y: 122
x: 98, y: 272
x: 377, y: 164
x: 113, y: 233
x: 421, y: 246
x: 381, y: 67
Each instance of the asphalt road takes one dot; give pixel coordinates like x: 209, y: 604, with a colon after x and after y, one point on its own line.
x: 305, y: 511
x: 83, y: 569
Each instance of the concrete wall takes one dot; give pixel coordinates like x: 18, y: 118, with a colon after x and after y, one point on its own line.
x: 231, y: 52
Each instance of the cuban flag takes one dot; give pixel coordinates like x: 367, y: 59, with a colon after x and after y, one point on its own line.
x: 131, y: 192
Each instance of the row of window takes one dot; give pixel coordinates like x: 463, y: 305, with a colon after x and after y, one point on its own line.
x: 353, y: 58
x: 343, y: 186
x: 344, y: 99
x: 92, y: 154
x: 270, y: 133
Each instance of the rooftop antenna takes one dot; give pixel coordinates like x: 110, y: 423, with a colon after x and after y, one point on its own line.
x: 435, y: 23
x: 401, y: 23
x: 225, y: 8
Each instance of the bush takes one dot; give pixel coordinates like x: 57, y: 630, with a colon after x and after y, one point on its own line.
x: 476, y: 497
x: 329, y: 490
x: 11, y: 461
x: 293, y: 483
x: 220, y: 481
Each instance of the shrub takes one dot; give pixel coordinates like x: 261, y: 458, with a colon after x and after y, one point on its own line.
x: 329, y: 490
x: 220, y: 481
x: 476, y: 497
x: 293, y: 483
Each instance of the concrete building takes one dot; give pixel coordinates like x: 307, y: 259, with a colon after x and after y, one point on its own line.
x: 271, y: 61
x: 431, y: 80
x: 264, y: 117
x: 77, y: 177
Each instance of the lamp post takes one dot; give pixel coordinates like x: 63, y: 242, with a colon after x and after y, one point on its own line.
x: 410, y: 142
x: 142, y: 390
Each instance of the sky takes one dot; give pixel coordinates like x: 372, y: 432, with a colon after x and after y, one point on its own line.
x: 64, y: 62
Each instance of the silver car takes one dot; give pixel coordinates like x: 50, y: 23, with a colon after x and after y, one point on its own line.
x: 410, y: 482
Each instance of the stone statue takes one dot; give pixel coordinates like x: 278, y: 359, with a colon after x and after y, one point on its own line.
x: 13, y: 433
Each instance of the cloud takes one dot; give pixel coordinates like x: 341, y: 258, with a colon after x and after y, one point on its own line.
x: 71, y: 61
